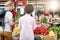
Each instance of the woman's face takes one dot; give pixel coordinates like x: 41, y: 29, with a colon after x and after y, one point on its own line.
x: 10, y: 8
x: 46, y: 11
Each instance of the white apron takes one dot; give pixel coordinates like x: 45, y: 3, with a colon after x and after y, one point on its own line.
x: 27, y: 24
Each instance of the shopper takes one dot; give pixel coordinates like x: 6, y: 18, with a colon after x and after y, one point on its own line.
x: 8, y: 21
x: 8, y: 17
x: 27, y: 24
x: 56, y: 19
x: 38, y: 14
x: 46, y: 13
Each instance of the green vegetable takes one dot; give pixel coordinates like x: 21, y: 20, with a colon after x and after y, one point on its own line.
x: 37, y: 38
x: 59, y: 15
x: 56, y: 29
x: 17, y: 16
x: 44, y: 20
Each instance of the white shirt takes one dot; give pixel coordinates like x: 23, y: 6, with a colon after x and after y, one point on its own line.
x: 8, y: 16
x: 27, y: 24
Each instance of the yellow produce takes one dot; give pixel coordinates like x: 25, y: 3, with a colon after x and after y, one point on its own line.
x: 16, y: 31
x: 51, y: 34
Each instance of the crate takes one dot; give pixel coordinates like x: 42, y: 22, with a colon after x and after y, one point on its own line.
x: 46, y: 37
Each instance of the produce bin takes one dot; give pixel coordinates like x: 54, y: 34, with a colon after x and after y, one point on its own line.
x: 46, y: 37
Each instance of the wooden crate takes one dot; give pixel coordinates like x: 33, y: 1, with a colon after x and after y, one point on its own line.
x: 48, y: 38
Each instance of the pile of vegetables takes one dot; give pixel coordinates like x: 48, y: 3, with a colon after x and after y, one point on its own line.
x: 48, y: 31
x: 16, y: 31
x: 51, y: 34
x: 56, y: 29
x: 41, y: 30
x: 44, y: 20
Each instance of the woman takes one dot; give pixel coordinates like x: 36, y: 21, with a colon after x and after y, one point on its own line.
x: 46, y: 15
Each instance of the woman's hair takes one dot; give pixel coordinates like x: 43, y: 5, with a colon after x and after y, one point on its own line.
x: 8, y: 3
x: 29, y: 8
x: 38, y: 12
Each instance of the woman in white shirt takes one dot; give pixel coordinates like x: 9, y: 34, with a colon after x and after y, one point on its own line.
x: 46, y: 13
x: 8, y: 16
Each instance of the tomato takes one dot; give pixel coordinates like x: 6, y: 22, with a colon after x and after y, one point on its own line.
x: 41, y: 30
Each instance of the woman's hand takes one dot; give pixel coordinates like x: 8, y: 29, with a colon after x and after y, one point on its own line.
x: 37, y: 21
x: 16, y: 22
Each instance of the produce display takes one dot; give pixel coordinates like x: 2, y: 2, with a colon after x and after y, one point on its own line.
x: 44, y: 20
x: 41, y: 30
x: 56, y: 29
x: 48, y: 31
x: 16, y: 31
x: 51, y: 34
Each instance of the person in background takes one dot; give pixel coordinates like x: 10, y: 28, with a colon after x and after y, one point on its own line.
x: 46, y: 13
x: 27, y: 24
x: 56, y: 19
x: 8, y: 21
x: 51, y: 13
x: 38, y: 14
x: 8, y: 16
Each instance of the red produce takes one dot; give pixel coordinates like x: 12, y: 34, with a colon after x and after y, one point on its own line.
x: 41, y: 33
x: 46, y: 33
x: 14, y: 13
x: 41, y: 30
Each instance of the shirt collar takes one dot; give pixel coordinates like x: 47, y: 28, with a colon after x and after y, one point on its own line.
x: 27, y: 14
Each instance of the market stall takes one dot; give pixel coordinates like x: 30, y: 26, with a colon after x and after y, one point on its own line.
x: 47, y: 16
